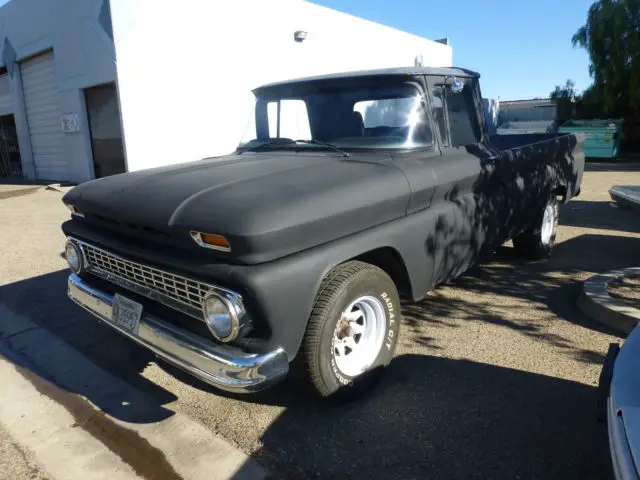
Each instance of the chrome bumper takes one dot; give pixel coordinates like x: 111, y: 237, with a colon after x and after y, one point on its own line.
x: 223, y: 367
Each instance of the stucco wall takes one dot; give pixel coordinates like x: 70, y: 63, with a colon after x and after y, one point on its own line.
x: 84, y: 56
x: 185, y: 68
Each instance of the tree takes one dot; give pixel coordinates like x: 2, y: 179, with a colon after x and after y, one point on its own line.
x: 611, y: 36
x: 565, y: 98
x: 568, y: 92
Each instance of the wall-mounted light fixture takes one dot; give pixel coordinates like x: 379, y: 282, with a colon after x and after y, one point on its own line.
x: 300, y: 36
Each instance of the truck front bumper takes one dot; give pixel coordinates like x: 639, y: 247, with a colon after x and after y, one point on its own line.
x: 224, y: 367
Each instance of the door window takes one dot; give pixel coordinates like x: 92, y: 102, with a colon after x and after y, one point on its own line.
x: 439, y: 116
x: 455, y: 115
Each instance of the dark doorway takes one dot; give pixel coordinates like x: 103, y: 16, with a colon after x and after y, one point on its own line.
x: 103, y: 112
x: 10, y: 162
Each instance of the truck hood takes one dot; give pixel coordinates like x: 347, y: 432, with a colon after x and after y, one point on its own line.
x: 267, y: 205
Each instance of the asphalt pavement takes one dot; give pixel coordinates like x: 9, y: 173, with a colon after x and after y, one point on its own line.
x: 495, y: 374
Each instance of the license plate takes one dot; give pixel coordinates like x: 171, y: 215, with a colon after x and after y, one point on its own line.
x: 126, y: 314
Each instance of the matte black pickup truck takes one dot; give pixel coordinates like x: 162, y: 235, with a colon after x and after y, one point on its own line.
x: 347, y: 191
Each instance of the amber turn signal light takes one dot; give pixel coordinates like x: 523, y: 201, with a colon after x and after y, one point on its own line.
x: 211, y: 240
x: 75, y: 210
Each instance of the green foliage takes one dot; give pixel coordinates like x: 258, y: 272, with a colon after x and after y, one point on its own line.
x: 611, y: 36
x: 565, y: 98
x: 571, y: 105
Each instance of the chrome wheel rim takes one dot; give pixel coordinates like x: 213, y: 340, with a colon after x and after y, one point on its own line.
x: 359, y: 335
x: 548, y: 224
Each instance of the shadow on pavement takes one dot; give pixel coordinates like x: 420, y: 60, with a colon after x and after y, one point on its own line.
x: 43, y: 300
x: 599, y: 215
x: 441, y: 418
x: 553, y: 285
x: 618, y: 165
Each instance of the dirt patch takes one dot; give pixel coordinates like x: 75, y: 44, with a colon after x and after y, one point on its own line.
x: 626, y: 290
x: 6, y: 192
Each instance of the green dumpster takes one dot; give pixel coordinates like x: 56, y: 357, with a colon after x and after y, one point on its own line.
x: 602, y: 137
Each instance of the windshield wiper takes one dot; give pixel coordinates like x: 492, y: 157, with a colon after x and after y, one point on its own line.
x: 265, y: 143
x: 288, y: 141
x: 325, y: 144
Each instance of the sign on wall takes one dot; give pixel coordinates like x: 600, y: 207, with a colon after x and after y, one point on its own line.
x: 70, y: 123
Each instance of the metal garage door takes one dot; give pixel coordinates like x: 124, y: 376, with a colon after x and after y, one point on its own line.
x: 40, y: 89
x: 6, y: 105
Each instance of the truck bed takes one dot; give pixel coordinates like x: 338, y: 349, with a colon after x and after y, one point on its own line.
x: 510, y: 141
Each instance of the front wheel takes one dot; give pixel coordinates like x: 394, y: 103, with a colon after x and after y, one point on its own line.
x: 353, y: 329
x: 537, y: 242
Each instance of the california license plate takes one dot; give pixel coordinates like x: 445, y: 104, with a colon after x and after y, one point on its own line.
x: 126, y: 314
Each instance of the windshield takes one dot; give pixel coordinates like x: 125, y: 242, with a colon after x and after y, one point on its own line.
x: 345, y: 116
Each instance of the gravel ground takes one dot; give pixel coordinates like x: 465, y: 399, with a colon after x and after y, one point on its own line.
x: 16, y: 463
x: 494, y: 377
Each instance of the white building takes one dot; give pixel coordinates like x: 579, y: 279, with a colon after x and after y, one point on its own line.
x: 96, y: 87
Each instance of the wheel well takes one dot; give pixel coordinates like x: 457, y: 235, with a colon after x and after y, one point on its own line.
x: 389, y: 260
x: 561, y: 191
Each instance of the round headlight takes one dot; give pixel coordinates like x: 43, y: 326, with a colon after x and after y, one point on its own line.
x: 221, y: 317
x: 74, y: 256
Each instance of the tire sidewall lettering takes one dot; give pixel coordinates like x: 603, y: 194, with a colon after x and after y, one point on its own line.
x: 391, y: 319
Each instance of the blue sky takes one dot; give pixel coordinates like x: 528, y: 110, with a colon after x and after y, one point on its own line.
x: 521, y: 49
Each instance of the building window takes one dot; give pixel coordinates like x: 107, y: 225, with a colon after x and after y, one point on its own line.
x: 103, y: 112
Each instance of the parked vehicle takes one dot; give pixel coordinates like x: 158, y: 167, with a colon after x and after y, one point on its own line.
x: 347, y: 191
x: 619, y: 391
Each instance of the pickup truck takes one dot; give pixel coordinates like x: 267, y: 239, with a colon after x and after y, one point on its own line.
x: 346, y: 192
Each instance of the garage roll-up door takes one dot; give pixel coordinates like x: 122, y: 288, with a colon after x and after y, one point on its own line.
x: 40, y: 89
x: 6, y: 104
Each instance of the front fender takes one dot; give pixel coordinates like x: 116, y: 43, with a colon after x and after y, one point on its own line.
x: 283, y: 291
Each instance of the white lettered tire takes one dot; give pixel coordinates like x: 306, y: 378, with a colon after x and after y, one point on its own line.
x: 352, y: 331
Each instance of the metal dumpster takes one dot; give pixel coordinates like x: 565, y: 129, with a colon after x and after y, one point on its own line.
x: 602, y: 137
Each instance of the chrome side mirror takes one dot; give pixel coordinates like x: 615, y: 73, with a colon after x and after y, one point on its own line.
x: 455, y: 85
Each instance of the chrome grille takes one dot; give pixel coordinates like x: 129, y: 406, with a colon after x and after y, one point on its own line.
x: 173, y: 290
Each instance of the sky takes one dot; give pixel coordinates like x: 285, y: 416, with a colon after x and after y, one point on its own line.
x: 522, y: 49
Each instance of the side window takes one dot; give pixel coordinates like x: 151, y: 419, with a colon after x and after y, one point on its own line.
x: 293, y: 121
x: 454, y: 115
x: 439, y: 117
x: 461, y: 112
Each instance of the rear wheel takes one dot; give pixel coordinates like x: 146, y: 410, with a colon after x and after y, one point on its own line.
x: 353, y: 329
x: 537, y: 242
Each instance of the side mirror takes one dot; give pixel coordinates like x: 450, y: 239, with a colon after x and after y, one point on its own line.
x: 455, y: 85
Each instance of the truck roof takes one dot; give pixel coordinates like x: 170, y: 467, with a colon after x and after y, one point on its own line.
x: 401, y: 71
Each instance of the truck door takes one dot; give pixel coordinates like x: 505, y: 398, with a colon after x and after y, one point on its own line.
x: 470, y: 202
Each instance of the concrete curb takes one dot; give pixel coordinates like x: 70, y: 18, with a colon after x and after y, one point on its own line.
x: 88, y: 420
x: 596, y: 302
x: 57, y: 187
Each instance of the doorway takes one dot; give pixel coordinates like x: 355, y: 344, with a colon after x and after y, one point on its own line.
x: 103, y: 112
x: 10, y: 161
